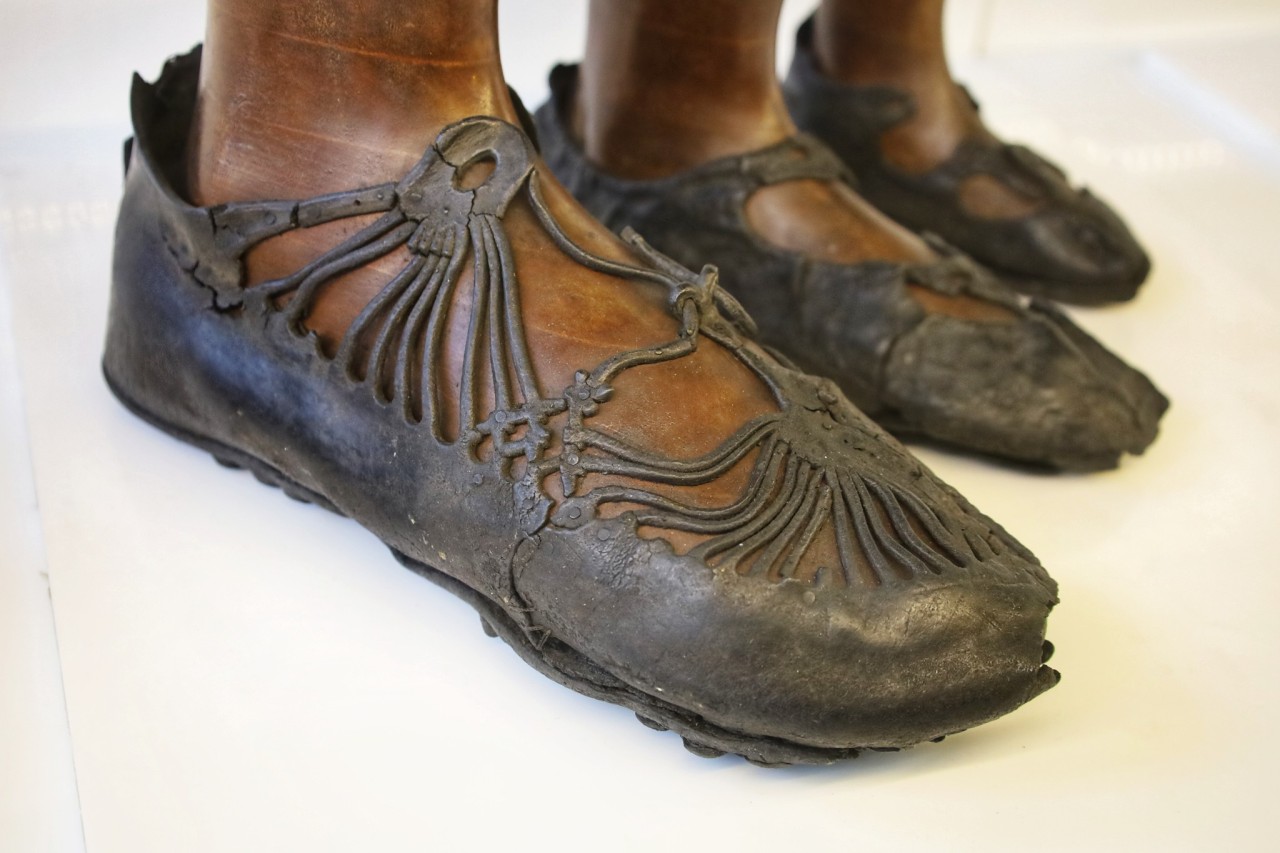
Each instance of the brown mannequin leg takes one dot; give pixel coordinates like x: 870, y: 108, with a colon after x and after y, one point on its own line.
x: 667, y: 85
x: 299, y: 99
x: 900, y: 44
x: 670, y: 84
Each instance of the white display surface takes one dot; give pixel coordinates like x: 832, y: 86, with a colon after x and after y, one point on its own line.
x: 243, y: 673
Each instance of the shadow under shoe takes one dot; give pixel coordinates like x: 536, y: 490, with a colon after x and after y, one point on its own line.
x: 1071, y: 246
x: 1025, y: 384
x: 844, y: 599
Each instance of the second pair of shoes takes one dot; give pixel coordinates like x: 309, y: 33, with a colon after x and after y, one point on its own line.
x: 1020, y: 380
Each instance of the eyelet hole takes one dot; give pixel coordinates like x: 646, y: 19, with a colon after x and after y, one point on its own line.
x: 475, y: 172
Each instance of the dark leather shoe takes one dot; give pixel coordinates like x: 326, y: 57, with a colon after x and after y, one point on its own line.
x: 1072, y: 247
x: 1030, y: 387
x: 844, y: 599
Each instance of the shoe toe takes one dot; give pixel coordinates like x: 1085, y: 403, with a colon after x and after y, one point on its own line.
x: 899, y: 614
x: 1083, y: 251
x: 1038, y: 389
x: 1122, y: 410
x: 1086, y: 427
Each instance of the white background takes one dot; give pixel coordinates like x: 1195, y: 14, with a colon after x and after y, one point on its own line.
x: 191, y: 662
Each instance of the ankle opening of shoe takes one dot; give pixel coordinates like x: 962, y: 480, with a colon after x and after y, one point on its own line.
x: 829, y: 222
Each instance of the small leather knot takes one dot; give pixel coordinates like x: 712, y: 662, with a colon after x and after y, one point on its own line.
x: 716, y: 303
x: 715, y: 306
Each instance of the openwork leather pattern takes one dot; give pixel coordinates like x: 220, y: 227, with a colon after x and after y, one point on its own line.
x: 802, y: 482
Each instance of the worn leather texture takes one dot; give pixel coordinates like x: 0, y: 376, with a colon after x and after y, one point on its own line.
x: 1035, y: 389
x: 1072, y: 247
x: 929, y: 619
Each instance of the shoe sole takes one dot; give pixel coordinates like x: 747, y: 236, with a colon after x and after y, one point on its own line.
x: 1082, y: 295
x: 554, y: 659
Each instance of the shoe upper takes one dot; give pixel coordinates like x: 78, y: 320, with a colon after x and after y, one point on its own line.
x: 845, y: 598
